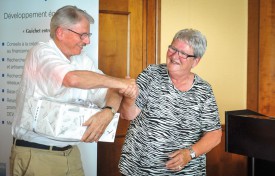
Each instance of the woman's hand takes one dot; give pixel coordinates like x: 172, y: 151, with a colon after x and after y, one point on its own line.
x: 178, y: 159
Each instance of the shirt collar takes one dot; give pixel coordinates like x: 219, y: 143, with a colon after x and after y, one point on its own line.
x: 53, y: 45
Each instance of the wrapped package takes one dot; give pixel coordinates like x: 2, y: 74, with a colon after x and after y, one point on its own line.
x: 62, y: 121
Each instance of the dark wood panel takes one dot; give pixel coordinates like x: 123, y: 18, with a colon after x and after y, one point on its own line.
x: 109, y: 161
x: 122, y: 127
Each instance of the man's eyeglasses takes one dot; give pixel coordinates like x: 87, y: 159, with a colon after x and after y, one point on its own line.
x: 181, y: 54
x: 82, y: 36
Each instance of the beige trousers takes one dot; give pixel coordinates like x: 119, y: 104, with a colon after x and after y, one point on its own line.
x: 25, y: 161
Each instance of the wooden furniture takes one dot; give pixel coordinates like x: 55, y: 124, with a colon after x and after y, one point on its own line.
x: 252, y: 134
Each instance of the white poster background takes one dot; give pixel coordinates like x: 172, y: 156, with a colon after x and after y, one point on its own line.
x: 23, y: 24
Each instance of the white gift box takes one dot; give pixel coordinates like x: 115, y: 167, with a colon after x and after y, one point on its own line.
x: 62, y: 121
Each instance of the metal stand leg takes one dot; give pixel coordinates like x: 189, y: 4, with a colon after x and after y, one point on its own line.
x: 252, y: 166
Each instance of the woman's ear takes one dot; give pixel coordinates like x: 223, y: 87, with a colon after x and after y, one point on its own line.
x: 196, y: 62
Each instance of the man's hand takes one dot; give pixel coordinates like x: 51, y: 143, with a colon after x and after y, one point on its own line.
x: 96, y: 125
x: 131, y: 91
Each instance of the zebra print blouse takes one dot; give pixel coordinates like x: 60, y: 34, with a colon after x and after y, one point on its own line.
x: 169, y: 120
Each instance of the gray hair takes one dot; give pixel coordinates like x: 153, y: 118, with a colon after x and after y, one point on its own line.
x: 68, y: 16
x: 193, y: 38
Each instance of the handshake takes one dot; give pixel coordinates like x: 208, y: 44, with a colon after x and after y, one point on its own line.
x: 130, y: 90
x: 126, y: 87
x: 91, y: 80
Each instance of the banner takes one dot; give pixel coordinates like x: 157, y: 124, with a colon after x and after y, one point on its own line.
x: 23, y: 25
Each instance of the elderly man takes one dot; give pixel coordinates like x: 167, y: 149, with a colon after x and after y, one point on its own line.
x: 60, y: 71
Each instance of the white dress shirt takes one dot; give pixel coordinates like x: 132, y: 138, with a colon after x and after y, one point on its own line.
x: 44, y: 70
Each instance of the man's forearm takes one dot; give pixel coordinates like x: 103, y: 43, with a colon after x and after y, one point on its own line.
x: 113, y: 98
x: 89, y: 80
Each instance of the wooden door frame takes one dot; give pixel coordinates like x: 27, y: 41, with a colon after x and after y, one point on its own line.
x: 253, y: 55
x: 151, y: 32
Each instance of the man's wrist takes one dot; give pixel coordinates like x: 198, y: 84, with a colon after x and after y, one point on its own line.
x: 111, y: 108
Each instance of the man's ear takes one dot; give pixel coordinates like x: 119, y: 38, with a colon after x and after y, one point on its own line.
x: 59, y: 33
